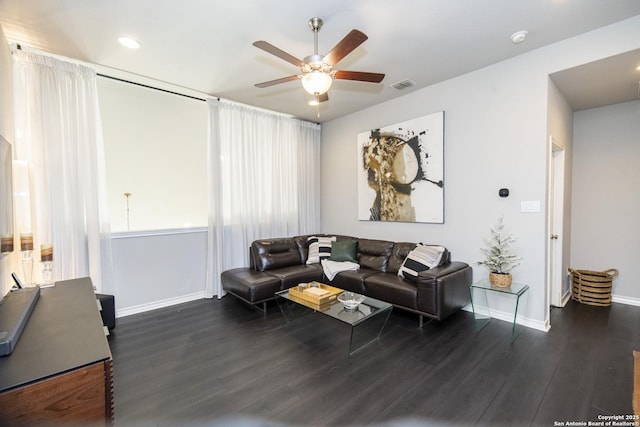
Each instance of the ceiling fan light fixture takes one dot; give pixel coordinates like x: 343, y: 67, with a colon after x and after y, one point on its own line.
x: 316, y: 82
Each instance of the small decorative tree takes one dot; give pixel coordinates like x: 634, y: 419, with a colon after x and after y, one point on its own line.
x: 498, y: 257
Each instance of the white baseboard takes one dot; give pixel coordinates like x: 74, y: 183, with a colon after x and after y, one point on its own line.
x: 128, y: 311
x: 564, y: 299
x: 625, y: 300
x: 520, y: 320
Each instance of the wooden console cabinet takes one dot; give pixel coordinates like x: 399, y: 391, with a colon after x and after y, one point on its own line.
x: 60, y: 371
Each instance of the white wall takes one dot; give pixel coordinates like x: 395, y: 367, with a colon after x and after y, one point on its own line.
x: 495, y: 136
x: 156, y: 270
x: 606, y: 199
x: 492, y: 140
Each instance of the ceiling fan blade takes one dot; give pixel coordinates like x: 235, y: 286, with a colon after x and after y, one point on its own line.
x: 351, y: 41
x: 268, y: 47
x: 359, y: 76
x: 277, y: 81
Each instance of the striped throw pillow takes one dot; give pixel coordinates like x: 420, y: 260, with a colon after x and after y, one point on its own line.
x: 319, y: 248
x: 421, y: 258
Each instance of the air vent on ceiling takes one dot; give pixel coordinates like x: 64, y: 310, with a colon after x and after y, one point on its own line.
x: 403, y: 84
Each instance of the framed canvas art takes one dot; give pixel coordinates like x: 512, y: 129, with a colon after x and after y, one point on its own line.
x: 401, y: 171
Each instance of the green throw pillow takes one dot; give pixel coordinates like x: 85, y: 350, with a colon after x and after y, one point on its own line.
x: 344, y: 250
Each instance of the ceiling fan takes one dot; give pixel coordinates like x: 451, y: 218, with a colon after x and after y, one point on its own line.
x: 317, y: 70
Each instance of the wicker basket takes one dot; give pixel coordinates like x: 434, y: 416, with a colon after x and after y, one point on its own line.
x: 500, y: 280
x: 592, y: 287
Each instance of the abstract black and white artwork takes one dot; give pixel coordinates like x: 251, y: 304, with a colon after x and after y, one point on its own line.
x: 401, y: 171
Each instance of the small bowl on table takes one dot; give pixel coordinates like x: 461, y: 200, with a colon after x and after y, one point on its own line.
x: 350, y: 300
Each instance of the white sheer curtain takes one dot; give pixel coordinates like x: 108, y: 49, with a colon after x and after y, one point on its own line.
x: 264, y: 181
x: 59, y: 148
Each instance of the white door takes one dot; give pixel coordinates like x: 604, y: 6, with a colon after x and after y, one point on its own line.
x: 558, y: 290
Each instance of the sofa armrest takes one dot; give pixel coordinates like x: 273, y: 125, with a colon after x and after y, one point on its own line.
x: 444, y: 290
x: 443, y: 270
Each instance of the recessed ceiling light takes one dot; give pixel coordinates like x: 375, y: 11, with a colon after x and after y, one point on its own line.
x: 638, y: 68
x: 129, y: 42
x: 519, y: 36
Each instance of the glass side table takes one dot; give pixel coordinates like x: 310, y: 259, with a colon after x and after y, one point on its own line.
x: 480, y: 302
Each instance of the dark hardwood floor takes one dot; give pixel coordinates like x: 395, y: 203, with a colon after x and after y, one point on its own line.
x: 219, y: 362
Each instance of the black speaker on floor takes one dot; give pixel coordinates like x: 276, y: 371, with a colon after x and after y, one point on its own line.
x: 108, y: 311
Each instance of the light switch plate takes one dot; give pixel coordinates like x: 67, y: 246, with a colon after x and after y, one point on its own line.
x: 530, y: 206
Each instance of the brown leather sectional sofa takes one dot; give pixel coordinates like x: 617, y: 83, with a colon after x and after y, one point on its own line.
x: 280, y: 263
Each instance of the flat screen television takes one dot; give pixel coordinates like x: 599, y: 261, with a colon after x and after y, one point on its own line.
x: 6, y: 189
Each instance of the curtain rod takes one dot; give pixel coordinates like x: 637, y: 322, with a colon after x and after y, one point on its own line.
x: 197, y: 98
x: 151, y: 87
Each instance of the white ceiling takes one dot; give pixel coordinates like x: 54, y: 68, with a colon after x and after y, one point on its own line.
x: 605, y: 82
x: 206, y: 45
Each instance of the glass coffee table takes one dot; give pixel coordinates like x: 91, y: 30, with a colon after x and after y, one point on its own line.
x: 367, y: 320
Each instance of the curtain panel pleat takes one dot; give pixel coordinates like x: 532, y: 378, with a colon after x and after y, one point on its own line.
x: 264, y: 174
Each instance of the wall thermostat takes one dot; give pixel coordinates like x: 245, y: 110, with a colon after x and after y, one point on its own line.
x: 504, y: 192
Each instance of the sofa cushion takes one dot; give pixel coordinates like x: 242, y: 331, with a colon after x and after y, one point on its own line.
x: 352, y: 280
x: 319, y: 248
x: 421, y: 258
x: 344, y: 250
x: 275, y: 253
x: 374, y: 254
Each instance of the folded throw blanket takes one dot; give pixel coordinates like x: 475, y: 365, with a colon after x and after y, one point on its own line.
x: 331, y: 268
